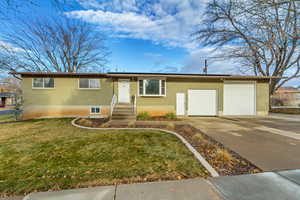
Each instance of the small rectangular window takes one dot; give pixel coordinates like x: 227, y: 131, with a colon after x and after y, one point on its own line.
x: 48, y: 83
x: 84, y: 83
x: 94, y: 83
x: 89, y: 83
x: 38, y: 83
x: 95, y: 110
x: 43, y: 83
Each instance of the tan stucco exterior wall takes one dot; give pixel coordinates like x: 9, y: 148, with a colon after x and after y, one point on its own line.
x: 262, y: 98
x: 162, y: 105
x: 66, y: 99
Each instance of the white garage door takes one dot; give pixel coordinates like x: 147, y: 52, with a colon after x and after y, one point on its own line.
x: 239, y: 99
x: 202, y: 102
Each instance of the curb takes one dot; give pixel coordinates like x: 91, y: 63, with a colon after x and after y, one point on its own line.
x: 198, y: 156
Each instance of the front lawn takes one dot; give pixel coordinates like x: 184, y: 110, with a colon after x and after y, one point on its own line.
x: 7, y: 118
x: 51, y: 154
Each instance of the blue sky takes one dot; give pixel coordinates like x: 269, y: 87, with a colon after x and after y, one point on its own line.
x: 145, y: 35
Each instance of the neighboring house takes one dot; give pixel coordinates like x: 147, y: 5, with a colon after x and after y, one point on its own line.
x: 286, y: 96
x: 93, y: 94
x: 6, y: 98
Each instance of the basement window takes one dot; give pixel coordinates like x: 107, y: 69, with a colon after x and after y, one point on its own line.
x: 152, y: 87
x: 42, y: 83
x: 95, y: 110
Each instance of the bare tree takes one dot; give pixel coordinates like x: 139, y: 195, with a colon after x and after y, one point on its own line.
x: 60, y: 45
x: 261, y: 34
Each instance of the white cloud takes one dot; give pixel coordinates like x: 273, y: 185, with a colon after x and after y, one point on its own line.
x: 153, y: 55
x: 166, y: 22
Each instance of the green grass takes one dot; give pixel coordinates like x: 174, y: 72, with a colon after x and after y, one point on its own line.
x: 7, y: 118
x: 51, y: 154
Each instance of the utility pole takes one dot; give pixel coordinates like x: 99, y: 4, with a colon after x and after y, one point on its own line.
x: 205, y: 67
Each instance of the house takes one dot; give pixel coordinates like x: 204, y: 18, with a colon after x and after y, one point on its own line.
x: 286, y: 96
x: 95, y: 94
x: 7, y: 98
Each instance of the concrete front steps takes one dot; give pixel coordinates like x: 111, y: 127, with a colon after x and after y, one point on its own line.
x: 123, y: 111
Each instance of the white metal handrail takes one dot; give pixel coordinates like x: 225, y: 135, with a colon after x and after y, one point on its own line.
x: 134, y: 105
x: 113, y: 103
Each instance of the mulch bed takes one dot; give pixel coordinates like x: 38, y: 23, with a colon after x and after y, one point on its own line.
x: 92, y: 122
x: 222, y: 159
x: 160, y: 119
x: 286, y: 110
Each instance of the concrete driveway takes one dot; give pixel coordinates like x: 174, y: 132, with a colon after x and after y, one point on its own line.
x: 263, y: 141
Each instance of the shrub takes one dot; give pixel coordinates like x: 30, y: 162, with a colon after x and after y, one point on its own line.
x: 170, y: 115
x: 143, y: 116
x: 85, y: 122
x: 224, y: 155
x: 187, y: 130
x: 198, y: 137
x: 171, y: 126
x: 131, y: 124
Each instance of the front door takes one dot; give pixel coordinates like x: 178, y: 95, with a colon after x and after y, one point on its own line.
x: 124, y: 90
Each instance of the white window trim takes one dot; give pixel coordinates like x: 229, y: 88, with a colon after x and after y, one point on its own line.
x: 144, y: 88
x: 89, y: 84
x: 42, y: 88
x: 95, y: 107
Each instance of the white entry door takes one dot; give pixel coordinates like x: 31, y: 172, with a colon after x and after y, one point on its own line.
x: 124, y: 90
x: 180, y: 104
x: 239, y: 99
x: 202, y: 102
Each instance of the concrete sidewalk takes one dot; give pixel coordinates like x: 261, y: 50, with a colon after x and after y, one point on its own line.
x: 264, y: 186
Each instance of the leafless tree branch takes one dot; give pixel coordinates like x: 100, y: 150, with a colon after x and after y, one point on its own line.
x: 60, y: 44
x: 263, y: 35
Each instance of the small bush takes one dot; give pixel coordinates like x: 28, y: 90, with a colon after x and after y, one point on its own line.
x: 105, y: 125
x: 224, y: 155
x: 187, y: 130
x: 131, y: 124
x: 85, y: 122
x: 171, y: 126
x: 170, y: 115
x: 143, y: 116
x: 198, y: 137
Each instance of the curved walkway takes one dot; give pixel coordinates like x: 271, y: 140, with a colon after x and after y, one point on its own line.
x: 197, y: 155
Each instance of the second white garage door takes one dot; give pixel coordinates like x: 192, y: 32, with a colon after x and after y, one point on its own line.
x: 202, y: 102
x: 239, y: 99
